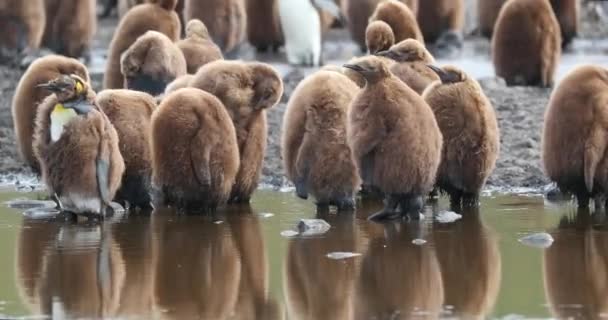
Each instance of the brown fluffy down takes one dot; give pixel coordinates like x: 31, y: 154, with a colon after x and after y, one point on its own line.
x: 412, y: 60
x: 28, y: 97
x: 70, y: 26
x: 575, y: 130
x: 471, y: 140
x: 22, y: 23
x: 195, y: 156
x: 400, y: 18
x: 315, y: 151
x: 526, y: 46
x: 225, y: 19
x: 393, y: 135
x: 379, y: 37
x: 179, y: 83
x: 264, y: 32
x: 197, y: 47
x: 437, y: 16
x: 130, y: 112
x: 139, y: 20
x: 487, y: 13
x: 246, y: 90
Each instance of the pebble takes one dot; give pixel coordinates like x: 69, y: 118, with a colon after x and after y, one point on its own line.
x: 419, y: 242
x: 313, y: 227
x: 266, y: 215
x: 540, y: 240
x: 30, y: 204
x: 41, y: 213
x: 289, y: 233
x: 447, y: 217
x: 342, y: 255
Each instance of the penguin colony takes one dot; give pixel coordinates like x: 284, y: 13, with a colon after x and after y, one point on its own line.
x: 178, y: 125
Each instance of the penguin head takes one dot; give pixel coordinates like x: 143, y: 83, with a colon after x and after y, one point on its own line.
x: 67, y: 87
x: 267, y: 86
x: 372, y: 68
x: 449, y: 74
x: 196, y: 28
x: 408, y: 50
x: 379, y: 37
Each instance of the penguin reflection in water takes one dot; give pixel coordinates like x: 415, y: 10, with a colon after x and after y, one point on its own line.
x: 77, y: 148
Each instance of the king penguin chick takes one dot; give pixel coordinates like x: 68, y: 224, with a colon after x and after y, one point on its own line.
x: 22, y: 23
x: 179, y: 83
x: 487, y: 13
x: 246, y: 90
x: 70, y: 27
x: 400, y: 18
x: 566, y: 12
x: 197, y: 47
x: 379, y: 37
x: 471, y: 140
x: 225, y: 19
x: 264, y: 25
x: 526, y: 46
x: 77, y: 148
x: 130, y: 112
x: 395, y: 139
x: 575, y: 144
x: 158, y: 16
x: 29, y: 95
x: 316, y: 155
x: 301, y: 25
x: 442, y: 23
x: 195, y: 155
x: 151, y: 63
x: 411, y: 59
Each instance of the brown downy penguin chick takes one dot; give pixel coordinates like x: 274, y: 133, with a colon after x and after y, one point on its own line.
x: 526, y: 46
x: 179, y: 83
x: 379, y: 37
x: 487, y: 13
x: 70, y: 27
x: 151, y: 63
x: 400, y: 18
x: 130, y: 112
x: 22, y: 23
x: 77, y: 148
x: 197, y: 47
x: 195, y: 155
x: 29, y: 95
x: 158, y: 16
x: 395, y: 139
x: 436, y: 17
x: 566, y: 12
x: 316, y: 155
x: 225, y: 19
x: 574, y: 136
x: 471, y: 140
x: 246, y: 90
x: 411, y: 59
x: 263, y: 25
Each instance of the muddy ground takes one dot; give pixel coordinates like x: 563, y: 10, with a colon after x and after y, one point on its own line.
x: 519, y: 109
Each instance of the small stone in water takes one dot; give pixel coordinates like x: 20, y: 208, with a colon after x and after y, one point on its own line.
x: 541, y: 240
x: 447, y: 217
x: 266, y: 215
x: 342, y: 255
x: 218, y: 222
x: 30, y: 204
x: 289, y: 233
x: 313, y: 227
x: 41, y: 213
x: 418, y: 242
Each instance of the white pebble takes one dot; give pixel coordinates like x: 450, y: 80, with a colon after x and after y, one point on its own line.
x: 342, y: 255
x: 541, y: 240
x: 418, y: 242
x: 447, y: 217
x: 289, y: 233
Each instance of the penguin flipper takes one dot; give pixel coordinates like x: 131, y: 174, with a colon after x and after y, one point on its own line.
x: 103, y: 170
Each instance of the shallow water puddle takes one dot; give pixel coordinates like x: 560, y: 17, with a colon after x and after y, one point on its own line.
x: 189, y: 267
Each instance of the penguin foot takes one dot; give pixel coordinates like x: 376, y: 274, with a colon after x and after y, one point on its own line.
x: 389, y: 212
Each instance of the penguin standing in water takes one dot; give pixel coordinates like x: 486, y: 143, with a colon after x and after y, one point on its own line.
x: 77, y: 148
x: 301, y: 25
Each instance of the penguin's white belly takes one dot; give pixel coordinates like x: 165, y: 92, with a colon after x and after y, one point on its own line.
x: 60, y: 117
x: 78, y: 203
x: 302, y: 30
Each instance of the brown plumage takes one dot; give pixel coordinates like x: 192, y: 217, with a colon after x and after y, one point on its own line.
x: 246, y: 90
x: 526, y: 46
x: 77, y: 148
x: 70, y: 26
x: 436, y: 17
x: 411, y: 59
x: 400, y: 18
x: 197, y: 47
x: 316, y: 155
x: 22, y: 24
x: 487, y: 12
x: 125, y: 5
x: 28, y: 96
x: 130, y: 112
x: 471, y: 140
x: 140, y: 19
x: 151, y: 63
x: 575, y: 131
x: 566, y: 12
x: 179, y: 83
x: 225, y: 19
x: 195, y: 156
x: 379, y: 37
x: 395, y: 139
x: 358, y: 12
x: 263, y: 24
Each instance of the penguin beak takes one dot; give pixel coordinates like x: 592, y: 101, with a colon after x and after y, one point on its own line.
x: 354, y: 67
x: 54, y: 86
x: 445, y: 77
